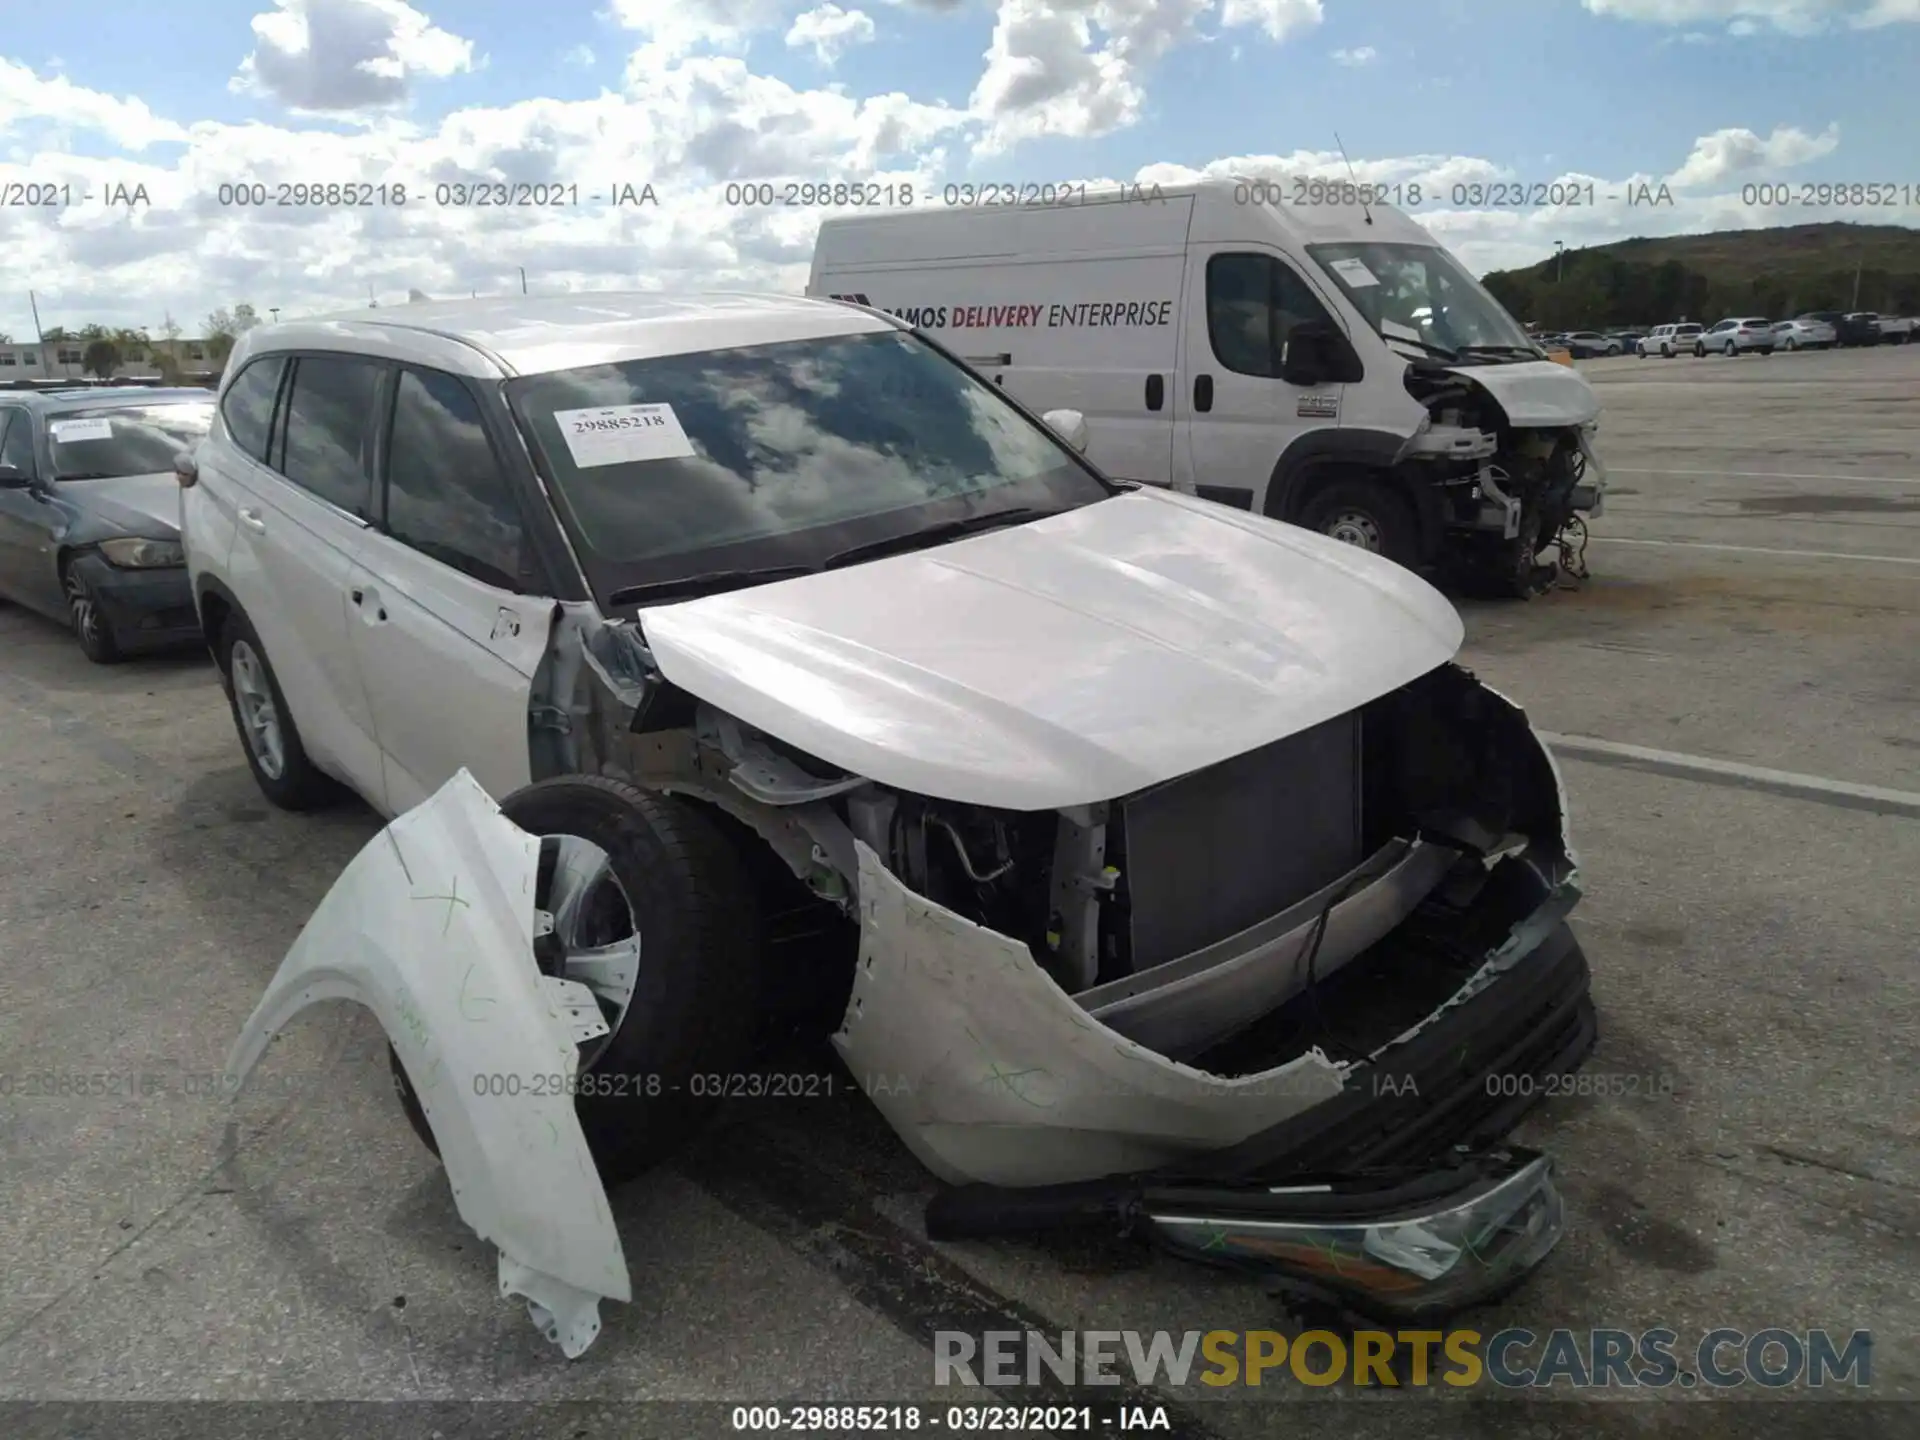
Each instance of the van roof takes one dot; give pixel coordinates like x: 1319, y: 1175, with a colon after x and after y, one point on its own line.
x: 1221, y: 207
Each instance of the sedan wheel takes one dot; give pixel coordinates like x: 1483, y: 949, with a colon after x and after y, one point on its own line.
x: 90, y: 625
x: 1792, y: 344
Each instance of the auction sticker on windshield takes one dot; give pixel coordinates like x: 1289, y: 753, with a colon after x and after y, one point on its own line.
x: 1354, y: 272
x: 621, y: 434
x: 68, y: 431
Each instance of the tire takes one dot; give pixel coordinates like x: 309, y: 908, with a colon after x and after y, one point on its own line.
x: 1369, y: 514
x: 280, y: 765
x: 90, y: 624
x: 1666, y: 352
x: 1792, y: 345
x: 1766, y: 349
x: 692, y: 1006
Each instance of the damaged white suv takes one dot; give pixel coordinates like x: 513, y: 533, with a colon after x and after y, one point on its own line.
x: 1138, y: 852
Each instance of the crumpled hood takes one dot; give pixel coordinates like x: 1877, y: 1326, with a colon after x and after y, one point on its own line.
x: 1536, y: 393
x: 144, y: 505
x: 1074, y: 659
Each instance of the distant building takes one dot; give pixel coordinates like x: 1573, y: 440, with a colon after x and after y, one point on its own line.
x: 63, y: 360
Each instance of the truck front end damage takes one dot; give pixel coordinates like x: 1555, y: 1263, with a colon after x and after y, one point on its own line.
x: 1509, y: 458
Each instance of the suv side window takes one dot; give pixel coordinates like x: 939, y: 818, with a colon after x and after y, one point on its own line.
x: 447, y: 495
x: 1253, y: 303
x: 328, y: 428
x: 247, y: 407
x: 16, y: 449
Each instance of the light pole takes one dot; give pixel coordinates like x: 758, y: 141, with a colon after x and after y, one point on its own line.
x: 274, y: 311
x: 1559, y: 260
x: 523, y: 279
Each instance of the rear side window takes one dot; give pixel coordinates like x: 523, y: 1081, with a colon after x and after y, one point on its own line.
x: 1253, y: 303
x: 447, y: 495
x: 330, y: 414
x: 247, y: 407
x: 16, y: 449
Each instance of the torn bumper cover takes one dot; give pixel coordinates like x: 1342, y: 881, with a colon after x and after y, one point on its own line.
x: 431, y: 928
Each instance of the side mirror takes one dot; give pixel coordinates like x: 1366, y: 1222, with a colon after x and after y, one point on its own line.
x: 12, y: 477
x: 186, y: 469
x: 1070, y: 426
x: 1311, y: 354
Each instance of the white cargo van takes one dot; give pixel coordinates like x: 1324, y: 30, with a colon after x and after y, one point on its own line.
x: 1326, y: 364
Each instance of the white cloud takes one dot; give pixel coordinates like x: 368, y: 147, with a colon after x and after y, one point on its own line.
x: 1726, y: 153
x: 679, y: 27
x: 26, y: 98
x: 346, y: 55
x: 1364, y: 55
x: 581, y: 55
x: 1279, y: 18
x: 1750, y: 17
x: 830, y: 31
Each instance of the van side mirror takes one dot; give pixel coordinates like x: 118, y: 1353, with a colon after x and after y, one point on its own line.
x: 1070, y: 426
x: 1316, y: 353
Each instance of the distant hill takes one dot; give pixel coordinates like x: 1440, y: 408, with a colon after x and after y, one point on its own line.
x: 1776, y: 272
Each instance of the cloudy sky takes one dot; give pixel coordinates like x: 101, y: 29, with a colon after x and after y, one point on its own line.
x: 119, y: 101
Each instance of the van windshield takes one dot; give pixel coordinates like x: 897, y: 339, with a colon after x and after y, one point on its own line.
x: 782, y: 456
x: 1420, y: 291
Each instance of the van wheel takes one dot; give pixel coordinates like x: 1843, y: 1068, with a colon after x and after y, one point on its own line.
x: 653, y: 911
x: 268, y: 736
x: 1368, y: 514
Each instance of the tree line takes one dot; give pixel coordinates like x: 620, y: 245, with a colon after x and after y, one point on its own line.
x: 105, y: 348
x: 1604, y: 291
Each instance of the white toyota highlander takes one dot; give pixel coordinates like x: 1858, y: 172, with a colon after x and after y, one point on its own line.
x: 730, y: 663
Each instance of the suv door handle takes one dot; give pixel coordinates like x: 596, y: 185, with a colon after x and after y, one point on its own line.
x: 363, y: 597
x: 251, y: 519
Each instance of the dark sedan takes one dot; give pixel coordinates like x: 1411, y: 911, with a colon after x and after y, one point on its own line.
x: 90, y: 512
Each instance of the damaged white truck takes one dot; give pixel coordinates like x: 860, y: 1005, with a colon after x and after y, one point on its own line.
x: 740, y: 664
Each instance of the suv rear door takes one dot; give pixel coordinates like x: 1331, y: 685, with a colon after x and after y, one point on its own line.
x: 300, y: 491
x: 450, y: 608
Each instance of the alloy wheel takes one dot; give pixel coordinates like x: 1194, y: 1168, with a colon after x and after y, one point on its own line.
x: 586, y: 930
x: 259, y: 715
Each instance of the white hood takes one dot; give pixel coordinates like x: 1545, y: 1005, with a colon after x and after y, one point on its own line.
x: 1536, y: 394
x: 1074, y: 659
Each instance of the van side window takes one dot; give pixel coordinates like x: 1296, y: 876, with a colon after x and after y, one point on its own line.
x: 447, y: 496
x: 329, y: 421
x: 247, y: 407
x: 1253, y: 303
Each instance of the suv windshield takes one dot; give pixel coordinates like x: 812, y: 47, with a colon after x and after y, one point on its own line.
x: 1420, y: 289
x: 785, y: 455
x: 102, y: 443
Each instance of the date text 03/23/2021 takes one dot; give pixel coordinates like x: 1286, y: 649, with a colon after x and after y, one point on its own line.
x: 952, y: 1419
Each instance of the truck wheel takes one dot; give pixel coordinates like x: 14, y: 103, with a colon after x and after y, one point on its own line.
x: 1368, y: 514
x: 654, y: 912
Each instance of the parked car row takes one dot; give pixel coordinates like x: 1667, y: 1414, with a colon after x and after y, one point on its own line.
x: 1755, y: 334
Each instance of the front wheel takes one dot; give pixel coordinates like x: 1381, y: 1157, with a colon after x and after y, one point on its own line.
x: 1367, y: 514
x: 90, y: 625
x: 1792, y: 345
x: 643, y: 900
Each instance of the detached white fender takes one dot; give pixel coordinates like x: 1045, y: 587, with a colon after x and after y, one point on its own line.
x: 431, y: 928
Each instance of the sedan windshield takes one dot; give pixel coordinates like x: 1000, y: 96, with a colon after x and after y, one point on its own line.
x: 1422, y: 289
x: 103, y: 443
x: 725, y: 464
